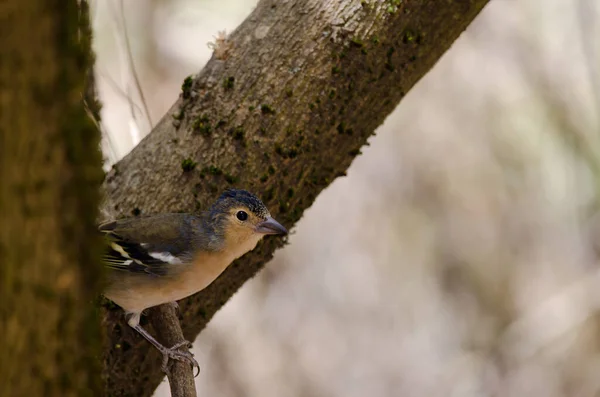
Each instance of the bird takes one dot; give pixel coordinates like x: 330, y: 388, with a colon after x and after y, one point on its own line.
x: 162, y: 258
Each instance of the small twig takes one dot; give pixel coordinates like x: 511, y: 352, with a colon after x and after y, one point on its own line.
x: 131, y: 63
x: 165, y: 322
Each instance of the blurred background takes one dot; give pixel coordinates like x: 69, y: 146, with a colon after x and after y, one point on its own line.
x: 460, y: 254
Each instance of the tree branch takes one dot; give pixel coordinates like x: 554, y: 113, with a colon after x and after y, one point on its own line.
x: 166, y: 323
x: 281, y: 109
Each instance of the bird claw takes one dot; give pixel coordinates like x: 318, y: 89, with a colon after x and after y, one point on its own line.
x: 181, y: 355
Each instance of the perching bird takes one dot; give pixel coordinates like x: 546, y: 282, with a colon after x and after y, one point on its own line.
x: 163, y: 258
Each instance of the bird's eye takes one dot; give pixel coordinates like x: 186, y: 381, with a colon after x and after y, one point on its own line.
x: 241, y: 215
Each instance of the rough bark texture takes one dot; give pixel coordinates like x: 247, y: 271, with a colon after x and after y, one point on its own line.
x: 282, y: 108
x: 50, y: 173
x: 165, y: 321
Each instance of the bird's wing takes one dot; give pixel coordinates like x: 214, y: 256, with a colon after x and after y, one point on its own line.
x: 152, y: 244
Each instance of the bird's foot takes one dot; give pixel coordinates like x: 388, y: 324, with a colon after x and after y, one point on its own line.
x: 175, y: 353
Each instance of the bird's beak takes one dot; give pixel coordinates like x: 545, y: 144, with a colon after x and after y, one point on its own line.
x: 271, y: 226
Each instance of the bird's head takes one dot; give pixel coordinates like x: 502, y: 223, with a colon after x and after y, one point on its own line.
x: 241, y: 219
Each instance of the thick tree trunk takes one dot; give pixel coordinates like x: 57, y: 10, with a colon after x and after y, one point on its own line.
x: 282, y: 108
x: 50, y: 175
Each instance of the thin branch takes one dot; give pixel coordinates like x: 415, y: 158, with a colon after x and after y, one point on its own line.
x: 136, y: 79
x: 122, y: 40
x: 165, y: 322
x: 115, y: 86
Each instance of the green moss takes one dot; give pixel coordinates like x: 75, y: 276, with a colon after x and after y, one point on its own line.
x: 238, y: 133
x: 296, y: 213
x: 355, y: 41
x: 271, y: 170
x: 211, y: 170
x: 188, y: 165
x: 186, y: 87
x: 228, y: 82
x: 205, y: 129
x: 375, y: 40
x: 392, y: 5
x: 231, y: 179
x: 202, y: 125
x: 266, y: 109
x: 335, y: 70
x: 264, y: 177
x: 409, y: 36
x: 342, y: 129
x: 290, y: 193
x: 202, y: 128
x: 331, y: 94
x: 251, y: 108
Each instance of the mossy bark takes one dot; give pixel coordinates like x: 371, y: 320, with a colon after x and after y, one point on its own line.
x: 50, y: 175
x: 281, y: 109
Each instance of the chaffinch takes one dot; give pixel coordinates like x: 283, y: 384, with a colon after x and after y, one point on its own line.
x: 163, y: 258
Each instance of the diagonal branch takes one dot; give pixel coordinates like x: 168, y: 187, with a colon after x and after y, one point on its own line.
x: 281, y: 109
